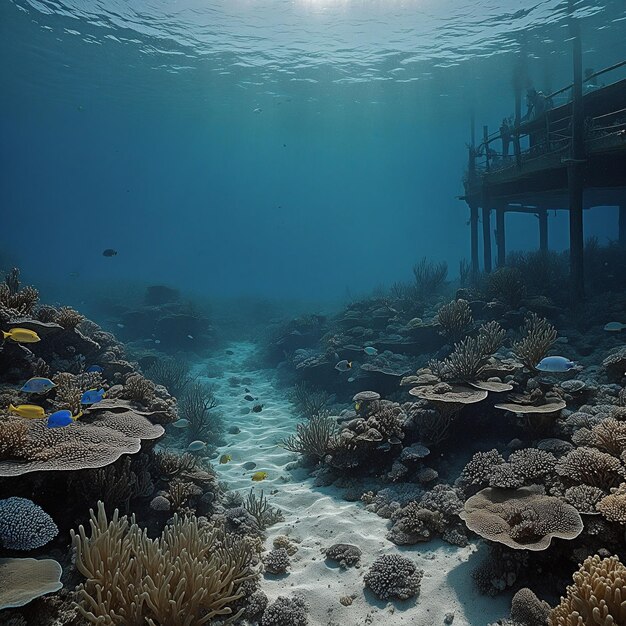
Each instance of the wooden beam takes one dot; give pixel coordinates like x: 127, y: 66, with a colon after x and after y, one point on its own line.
x: 487, y: 239
x: 622, y: 225
x: 474, y: 238
x: 543, y: 229
x: 501, y: 236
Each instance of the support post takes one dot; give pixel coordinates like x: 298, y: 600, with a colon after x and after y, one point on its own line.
x: 486, y: 144
x: 474, y: 231
x: 575, y: 168
x: 543, y: 229
x: 622, y: 225
x: 487, y: 239
x: 501, y: 236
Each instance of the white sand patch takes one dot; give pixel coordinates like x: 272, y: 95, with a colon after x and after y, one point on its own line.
x: 318, y: 517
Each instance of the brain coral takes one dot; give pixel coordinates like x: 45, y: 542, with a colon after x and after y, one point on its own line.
x: 24, y: 525
x: 394, y: 576
x: 524, y: 519
x: 23, y: 580
x: 81, y: 445
x: 596, y: 597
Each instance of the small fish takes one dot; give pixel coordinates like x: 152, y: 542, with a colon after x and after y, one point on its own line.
x: 62, y: 418
x: 384, y: 446
x: 157, y: 341
x: 94, y: 369
x: 351, y: 379
x: 343, y: 366
x: 181, y: 423
x: 370, y: 351
x: 109, y: 252
x: 614, y: 327
x: 21, y: 335
x: 196, y: 446
x: 120, y: 325
x: 225, y: 458
x: 555, y: 364
x: 189, y: 337
x: 91, y: 396
x: 73, y: 274
x: 37, y: 385
x: 257, y: 477
x: 249, y: 465
x: 257, y: 110
x: 30, y: 411
x: 357, y: 405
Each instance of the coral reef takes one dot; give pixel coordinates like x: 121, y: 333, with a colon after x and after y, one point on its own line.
x: 393, y: 577
x: 23, y: 580
x: 24, y: 525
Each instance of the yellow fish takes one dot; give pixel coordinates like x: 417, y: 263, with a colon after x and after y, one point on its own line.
x: 259, y: 476
x: 31, y: 411
x: 21, y: 335
x: 225, y: 458
x: 357, y: 406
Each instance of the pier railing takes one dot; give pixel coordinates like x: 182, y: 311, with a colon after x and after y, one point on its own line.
x: 546, y: 140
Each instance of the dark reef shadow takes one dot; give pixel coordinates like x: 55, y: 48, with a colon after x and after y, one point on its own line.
x: 473, y: 602
x: 398, y: 605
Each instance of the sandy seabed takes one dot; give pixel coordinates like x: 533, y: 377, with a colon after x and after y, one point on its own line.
x: 317, y: 517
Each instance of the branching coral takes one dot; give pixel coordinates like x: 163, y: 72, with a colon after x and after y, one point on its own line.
x: 596, y: 597
x: 471, y: 355
x: 173, y: 374
x: 455, y: 319
x: 70, y: 387
x: 68, y: 317
x: 260, y: 509
x: 170, y: 465
x: 538, y: 336
x: 309, y: 402
x: 506, y: 285
x: 613, y: 506
x: 591, y: 467
x: 13, y: 435
x: 196, y: 405
x: 190, y: 574
x: 138, y: 389
x: 315, y: 438
x: 429, y: 278
x: 393, y: 576
x: 15, y: 302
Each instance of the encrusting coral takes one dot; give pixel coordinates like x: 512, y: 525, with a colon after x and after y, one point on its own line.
x: 190, y: 572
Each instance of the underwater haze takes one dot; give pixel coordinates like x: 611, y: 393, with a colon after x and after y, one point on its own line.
x: 303, y: 149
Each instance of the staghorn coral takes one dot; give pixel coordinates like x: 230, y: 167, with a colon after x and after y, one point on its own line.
x: 471, y: 355
x: 393, y: 577
x: 190, y: 574
x: 538, y: 336
x: 23, y: 580
x: 455, y: 319
x: 591, y: 467
x: 314, y: 439
x: 24, y: 525
x: 260, y: 509
x: 524, y: 467
x: 609, y: 436
x: 613, y: 506
x: 16, y: 303
x: 596, y: 597
x: 524, y: 519
x: 179, y: 492
x: 480, y: 468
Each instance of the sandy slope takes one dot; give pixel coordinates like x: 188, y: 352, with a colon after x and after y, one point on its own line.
x: 317, y: 517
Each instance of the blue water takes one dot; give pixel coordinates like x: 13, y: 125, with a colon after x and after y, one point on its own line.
x: 301, y: 150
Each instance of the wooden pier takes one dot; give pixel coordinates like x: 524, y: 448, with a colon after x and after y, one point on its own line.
x: 571, y: 157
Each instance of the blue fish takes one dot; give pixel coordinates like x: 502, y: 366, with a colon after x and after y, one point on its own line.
x: 555, y: 364
x: 91, y: 396
x: 370, y: 351
x: 37, y: 385
x: 94, y: 369
x: 62, y: 418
